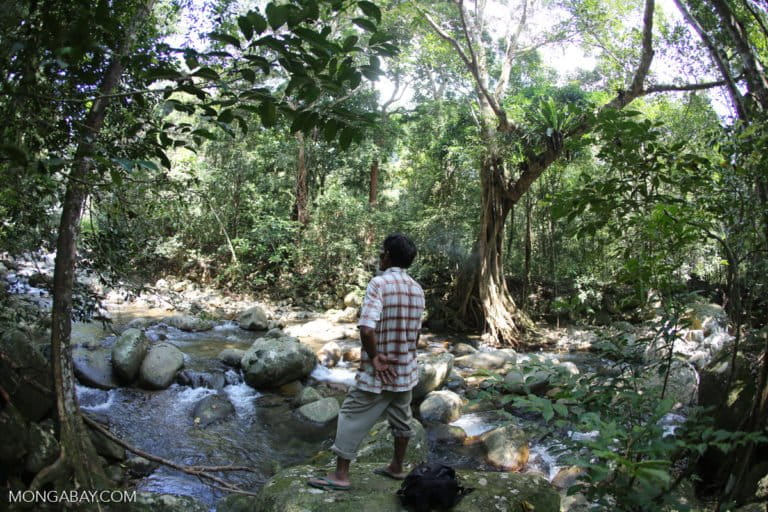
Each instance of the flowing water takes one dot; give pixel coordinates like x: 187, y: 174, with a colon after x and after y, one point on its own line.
x: 264, y: 434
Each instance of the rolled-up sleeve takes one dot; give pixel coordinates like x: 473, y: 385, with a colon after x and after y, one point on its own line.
x: 370, y: 313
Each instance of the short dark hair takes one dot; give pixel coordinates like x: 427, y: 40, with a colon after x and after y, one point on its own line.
x: 401, y: 249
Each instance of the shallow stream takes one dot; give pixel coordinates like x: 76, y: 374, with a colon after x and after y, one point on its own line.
x: 265, y: 433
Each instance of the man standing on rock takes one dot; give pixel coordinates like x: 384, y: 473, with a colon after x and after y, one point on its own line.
x: 390, y: 323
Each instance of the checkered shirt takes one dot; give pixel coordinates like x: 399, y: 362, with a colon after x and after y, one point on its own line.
x: 392, y: 306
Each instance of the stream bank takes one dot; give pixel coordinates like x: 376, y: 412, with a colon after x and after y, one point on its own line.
x: 264, y: 430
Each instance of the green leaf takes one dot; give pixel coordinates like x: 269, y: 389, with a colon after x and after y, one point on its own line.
x: 379, y: 37
x: 226, y: 116
x: 277, y: 15
x: 370, y: 9
x: 547, y: 410
x: 304, y: 122
x: 190, y: 58
x: 654, y: 474
x: 201, y: 132
x: 246, y: 26
x: 330, y: 129
x: 164, y: 72
x: 258, y: 22
x: 191, y: 89
x: 345, y: 139
x: 117, y: 178
x: 309, y: 93
x: 163, y: 158
x: 365, y: 24
x: 261, y: 62
x: 311, y: 10
x: 268, y: 114
x: 125, y: 163
x: 242, y: 123
x: 248, y: 74
x: 207, y: 73
x: 387, y: 50
x: 225, y: 38
x: 370, y: 73
x: 146, y: 164
x: 355, y: 80
x: 350, y: 43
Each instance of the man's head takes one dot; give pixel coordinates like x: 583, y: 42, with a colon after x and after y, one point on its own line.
x: 397, y: 251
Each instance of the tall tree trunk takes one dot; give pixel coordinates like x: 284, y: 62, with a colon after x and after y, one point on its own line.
x: 503, y: 320
x: 300, y: 212
x: 77, y: 452
x: 373, y: 190
x: 528, y: 243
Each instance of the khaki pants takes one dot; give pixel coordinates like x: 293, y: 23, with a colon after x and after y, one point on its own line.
x: 360, y: 411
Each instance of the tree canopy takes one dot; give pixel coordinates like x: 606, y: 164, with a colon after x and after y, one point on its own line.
x: 265, y: 154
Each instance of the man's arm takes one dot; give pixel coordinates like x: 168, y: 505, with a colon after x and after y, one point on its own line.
x: 381, y: 367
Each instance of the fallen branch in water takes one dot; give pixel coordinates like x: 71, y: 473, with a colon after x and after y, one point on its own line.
x: 203, y: 472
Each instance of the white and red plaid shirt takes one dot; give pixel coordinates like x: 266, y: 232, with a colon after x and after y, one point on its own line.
x: 392, y: 306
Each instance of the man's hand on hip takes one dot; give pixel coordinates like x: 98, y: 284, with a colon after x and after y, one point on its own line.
x: 382, y: 370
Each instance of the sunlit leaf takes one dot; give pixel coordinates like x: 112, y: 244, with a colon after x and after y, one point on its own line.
x: 225, y: 38
x: 365, y: 24
x: 370, y: 9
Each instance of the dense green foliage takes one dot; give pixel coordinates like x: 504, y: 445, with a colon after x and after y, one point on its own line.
x: 260, y: 156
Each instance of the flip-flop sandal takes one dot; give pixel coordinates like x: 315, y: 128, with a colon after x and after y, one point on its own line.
x: 323, y: 482
x: 385, y: 472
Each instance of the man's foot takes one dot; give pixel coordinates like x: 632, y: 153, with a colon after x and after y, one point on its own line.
x: 386, y: 471
x: 328, y: 483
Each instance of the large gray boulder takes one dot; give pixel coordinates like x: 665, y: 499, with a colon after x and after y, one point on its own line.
x: 330, y: 354
x: 506, y: 447
x: 434, y: 370
x: 492, y: 360
x: 128, y: 352
x: 272, y: 362
x: 231, y: 356
x: 288, y: 490
x: 14, y: 431
x: 320, y: 329
x: 151, y: 502
x: 188, y: 323
x: 212, y: 409
x: 160, y: 366
x: 43, y: 448
x: 681, y: 383
x: 353, y: 299
x: 306, y: 396
x: 534, y: 381
x: 93, y: 367
x: 440, y: 407
x: 32, y: 401
x: 378, y: 444
x: 320, y: 411
x: 732, y: 404
x: 253, y: 319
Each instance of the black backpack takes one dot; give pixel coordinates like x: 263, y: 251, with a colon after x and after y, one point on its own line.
x: 431, y: 486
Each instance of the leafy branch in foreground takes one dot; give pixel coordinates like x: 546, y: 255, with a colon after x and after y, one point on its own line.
x: 622, y: 425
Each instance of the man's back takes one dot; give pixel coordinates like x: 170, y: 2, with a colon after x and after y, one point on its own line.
x: 393, y: 306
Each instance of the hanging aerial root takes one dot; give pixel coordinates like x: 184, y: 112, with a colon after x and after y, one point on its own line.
x: 48, y: 474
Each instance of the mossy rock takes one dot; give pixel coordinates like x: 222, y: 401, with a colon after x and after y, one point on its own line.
x: 151, y: 502
x: 378, y: 446
x: 505, y: 492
